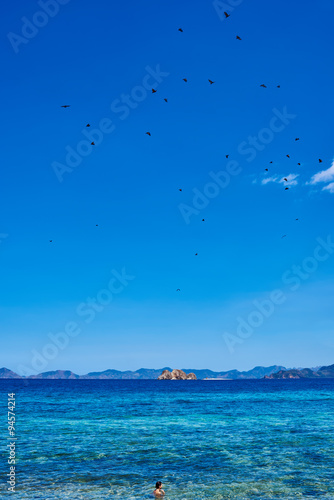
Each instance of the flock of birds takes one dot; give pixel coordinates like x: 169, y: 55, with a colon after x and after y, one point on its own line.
x: 211, y: 82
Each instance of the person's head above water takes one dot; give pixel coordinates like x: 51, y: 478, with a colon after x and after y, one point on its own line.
x: 158, y: 492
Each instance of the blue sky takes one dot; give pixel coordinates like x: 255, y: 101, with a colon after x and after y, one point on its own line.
x: 93, y: 56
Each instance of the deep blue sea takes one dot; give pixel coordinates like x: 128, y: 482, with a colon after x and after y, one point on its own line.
x: 255, y: 439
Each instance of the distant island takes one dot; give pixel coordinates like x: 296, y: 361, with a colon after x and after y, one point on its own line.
x: 259, y: 372
x: 323, y: 372
x: 176, y: 375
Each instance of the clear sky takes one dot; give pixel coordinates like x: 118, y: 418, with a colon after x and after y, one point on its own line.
x: 116, y: 205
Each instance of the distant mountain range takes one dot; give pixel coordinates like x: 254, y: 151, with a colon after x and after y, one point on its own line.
x: 148, y: 374
x: 270, y: 372
x: 322, y: 372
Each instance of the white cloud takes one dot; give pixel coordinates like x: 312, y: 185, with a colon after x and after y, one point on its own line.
x: 269, y: 179
x: 329, y: 187
x: 323, y: 176
x: 291, y: 180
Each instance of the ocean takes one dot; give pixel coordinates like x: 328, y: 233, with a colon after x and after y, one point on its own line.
x: 113, y: 439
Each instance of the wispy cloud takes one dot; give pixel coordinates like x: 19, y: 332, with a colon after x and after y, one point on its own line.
x: 269, y: 179
x: 289, y: 180
x: 323, y: 176
x: 329, y: 187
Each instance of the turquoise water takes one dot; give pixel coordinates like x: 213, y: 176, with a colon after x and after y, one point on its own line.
x: 202, y: 439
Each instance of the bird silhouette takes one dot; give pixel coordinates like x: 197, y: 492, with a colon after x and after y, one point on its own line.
x: 185, y: 80
x: 226, y: 156
x: 211, y: 82
x: 226, y: 15
x: 263, y: 85
x: 203, y: 220
x: 266, y: 170
x: 65, y: 106
x: 50, y: 241
x: 178, y: 290
x: 298, y: 163
x: 278, y: 86
x: 297, y: 219
x: 88, y: 125
x: 297, y: 139
x: 284, y: 236
x: 153, y: 91
x: 238, y: 37
x: 270, y: 162
x: 181, y: 30
x: 196, y: 253
x: 96, y: 225
x: 285, y: 179
x: 288, y: 156
x: 286, y: 188
x: 180, y: 189
x: 320, y: 160
x: 92, y: 143
x: 165, y: 99
x: 148, y: 133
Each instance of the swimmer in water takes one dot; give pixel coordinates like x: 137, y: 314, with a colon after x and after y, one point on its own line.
x: 158, y: 492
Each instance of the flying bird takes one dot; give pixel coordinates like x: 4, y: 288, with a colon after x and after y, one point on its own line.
x: 50, y: 241
x: 181, y: 30
x: 226, y: 15
x: 92, y: 143
x: 266, y: 170
x: 178, y: 290
x: 148, y: 133
x: 320, y: 160
x: 288, y: 156
x: 298, y: 163
x: 238, y: 37
x: 285, y: 179
x: 278, y: 86
x: 270, y: 162
x: 297, y: 219
x: 196, y: 253
x: 185, y: 80
x: 297, y: 139
x: 203, y: 220
x: 286, y: 189
x: 211, y: 82
x: 153, y: 91
x: 165, y: 99
x: 284, y: 235
x: 65, y: 106
x: 88, y: 125
x: 96, y: 225
x: 263, y: 85
x: 180, y: 189
x: 226, y: 156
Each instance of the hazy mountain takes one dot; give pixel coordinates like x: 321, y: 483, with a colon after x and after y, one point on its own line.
x: 257, y: 372
x: 326, y: 371
x: 141, y: 374
x: 293, y: 373
x: 5, y: 373
x: 323, y: 372
x: 58, y: 374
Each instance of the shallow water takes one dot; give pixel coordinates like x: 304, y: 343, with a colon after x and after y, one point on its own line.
x: 259, y: 439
